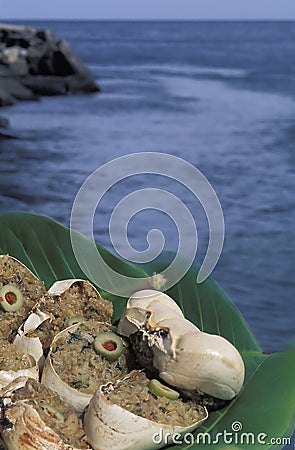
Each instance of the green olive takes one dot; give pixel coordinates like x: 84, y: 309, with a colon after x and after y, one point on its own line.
x: 108, y: 345
x: 53, y: 412
x: 75, y: 319
x: 11, y: 298
x: 160, y: 390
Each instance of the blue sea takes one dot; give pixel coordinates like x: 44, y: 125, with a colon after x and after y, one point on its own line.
x: 221, y: 96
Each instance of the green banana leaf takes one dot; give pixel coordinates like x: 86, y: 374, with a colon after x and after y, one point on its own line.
x: 264, y: 412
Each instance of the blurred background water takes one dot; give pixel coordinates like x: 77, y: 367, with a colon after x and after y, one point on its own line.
x: 220, y: 95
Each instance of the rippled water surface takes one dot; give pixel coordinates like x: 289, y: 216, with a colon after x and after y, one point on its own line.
x: 219, y: 95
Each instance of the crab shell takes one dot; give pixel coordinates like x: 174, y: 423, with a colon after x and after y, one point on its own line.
x: 33, y: 345
x: 109, y: 426
x: 59, y: 287
x: 24, y: 266
x: 142, y: 302
x: 7, y: 376
x: 76, y: 400
x: 27, y: 431
x: 185, y: 357
x: 29, y: 272
x: 21, y: 264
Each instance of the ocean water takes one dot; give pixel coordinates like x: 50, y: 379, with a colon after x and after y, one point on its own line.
x: 219, y: 95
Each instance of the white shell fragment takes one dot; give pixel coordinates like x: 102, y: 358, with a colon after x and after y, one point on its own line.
x: 185, y: 357
x: 7, y: 376
x: 27, y: 431
x: 59, y: 287
x: 31, y: 345
x: 141, y: 303
x: 110, y: 427
x: 76, y: 400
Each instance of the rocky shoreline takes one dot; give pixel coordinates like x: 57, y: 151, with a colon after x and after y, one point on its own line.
x: 34, y: 63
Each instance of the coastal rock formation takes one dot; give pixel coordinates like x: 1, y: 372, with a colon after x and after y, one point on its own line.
x: 33, y: 63
x: 5, y: 133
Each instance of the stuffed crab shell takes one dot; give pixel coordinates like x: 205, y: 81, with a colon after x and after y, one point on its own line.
x: 15, y: 363
x: 35, y: 418
x: 128, y: 414
x: 177, y: 351
x: 20, y: 290
x: 81, y: 358
x: 66, y: 303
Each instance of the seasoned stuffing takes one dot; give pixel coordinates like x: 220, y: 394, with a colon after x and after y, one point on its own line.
x: 11, y: 358
x: 12, y: 272
x: 81, y: 299
x: 76, y: 362
x: 134, y: 395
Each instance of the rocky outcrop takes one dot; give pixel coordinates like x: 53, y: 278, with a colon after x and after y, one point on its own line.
x: 6, y: 133
x: 34, y: 63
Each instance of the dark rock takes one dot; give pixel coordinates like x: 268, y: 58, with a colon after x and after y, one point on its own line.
x: 15, y: 58
x: 20, y: 42
x: 77, y: 66
x: 33, y: 63
x: 6, y: 98
x: 13, y: 35
x: 45, y: 66
x: 7, y: 135
x: 4, y: 122
x: 34, y: 56
x: 12, y: 89
x: 42, y: 85
x: 6, y: 132
x: 61, y: 65
x: 5, y: 71
x: 76, y: 84
x: 48, y: 37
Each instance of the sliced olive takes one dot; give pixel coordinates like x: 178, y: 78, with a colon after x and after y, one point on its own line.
x: 11, y: 298
x: 53, y: 412
x: 108, y: 345
x: 75, y: 319
x: 160, y: 390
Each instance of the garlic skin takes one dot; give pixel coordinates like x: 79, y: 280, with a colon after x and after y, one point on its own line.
x: 184, y: 356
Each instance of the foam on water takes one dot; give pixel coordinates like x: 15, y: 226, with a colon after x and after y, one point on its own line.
x: 162, y: 69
